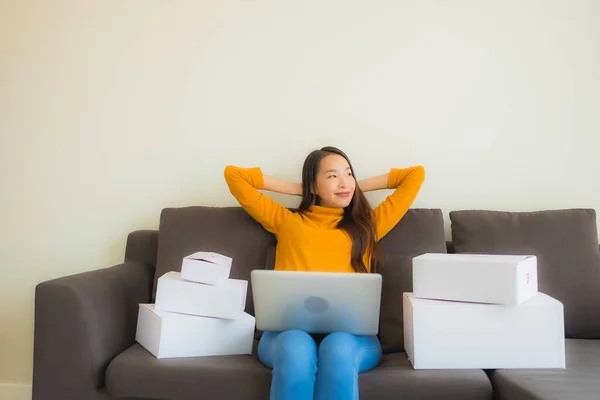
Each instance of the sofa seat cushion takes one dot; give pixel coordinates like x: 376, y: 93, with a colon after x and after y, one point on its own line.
x: 579, y: 381
x: 137, y: 373
x: 566, y: 245
x: 395, y: 378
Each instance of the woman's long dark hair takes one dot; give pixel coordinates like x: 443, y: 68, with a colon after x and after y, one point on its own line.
x: 358, y: 220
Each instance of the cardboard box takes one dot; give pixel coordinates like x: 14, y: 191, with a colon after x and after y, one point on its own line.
x: 172, y: 335
x: 480, y: 278
x: 455, y: 335
x: 225, y: 300
x: 206, y: 267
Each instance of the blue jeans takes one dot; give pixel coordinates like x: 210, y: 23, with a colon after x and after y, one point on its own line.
x: 298, y: 374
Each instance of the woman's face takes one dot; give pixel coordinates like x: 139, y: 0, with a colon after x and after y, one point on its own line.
x: 335, y: 183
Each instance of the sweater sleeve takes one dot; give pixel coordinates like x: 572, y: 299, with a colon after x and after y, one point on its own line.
x: 407, y: 183
x: 244, y: 184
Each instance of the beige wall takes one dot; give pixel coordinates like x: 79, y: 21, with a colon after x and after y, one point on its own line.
x: 112, y: 110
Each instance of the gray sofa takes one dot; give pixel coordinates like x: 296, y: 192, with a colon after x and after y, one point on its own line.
x: 84, y: 342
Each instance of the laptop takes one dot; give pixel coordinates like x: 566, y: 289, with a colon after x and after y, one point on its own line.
x: 316, y: 302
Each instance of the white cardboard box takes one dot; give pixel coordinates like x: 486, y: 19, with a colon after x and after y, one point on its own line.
x: 455, y: 335
x: 206, y: 267
x: 172, y: 335
x: 480, y: 278
x: 225, y: 300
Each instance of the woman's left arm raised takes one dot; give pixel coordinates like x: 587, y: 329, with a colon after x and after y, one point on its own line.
x: 407, y: 183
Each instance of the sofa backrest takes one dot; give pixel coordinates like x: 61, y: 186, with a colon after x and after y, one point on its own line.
x: 420, y: 231
x: 565, y: 242
x: 232, y: 232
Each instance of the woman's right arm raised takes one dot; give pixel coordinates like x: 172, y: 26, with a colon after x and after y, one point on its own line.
x: 245, y: 183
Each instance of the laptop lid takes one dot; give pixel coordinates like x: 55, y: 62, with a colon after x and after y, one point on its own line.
x: 316, y: 302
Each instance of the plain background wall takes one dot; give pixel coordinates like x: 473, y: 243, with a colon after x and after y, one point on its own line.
x: 112, y: 110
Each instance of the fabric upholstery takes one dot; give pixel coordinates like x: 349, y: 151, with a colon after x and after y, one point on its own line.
x: 420, y: 231
x: 579, y: 381
x: 136, y: 372
x: 566, y: 245
x: 142, y: 247
x: 82, y: 322
x: 396, y: 379
x: 396, y: 279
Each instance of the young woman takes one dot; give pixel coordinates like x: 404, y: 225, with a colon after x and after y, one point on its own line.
x: 334, y: 230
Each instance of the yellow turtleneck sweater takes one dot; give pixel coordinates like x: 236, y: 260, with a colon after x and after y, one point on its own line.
x: 311, y: 241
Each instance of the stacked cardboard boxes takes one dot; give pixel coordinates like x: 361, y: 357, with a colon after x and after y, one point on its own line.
x: 481, y: 311
x: 198, y: 312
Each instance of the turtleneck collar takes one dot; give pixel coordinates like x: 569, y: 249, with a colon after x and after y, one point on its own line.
x: 326, y: 210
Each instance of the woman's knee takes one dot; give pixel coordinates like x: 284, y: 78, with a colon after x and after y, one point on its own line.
x: 265, y: 345
x: 295, y: 347
x: 338, y: 350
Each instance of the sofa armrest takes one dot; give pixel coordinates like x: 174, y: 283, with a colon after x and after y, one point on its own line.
x: 142, y: 246
x: 81, y: 323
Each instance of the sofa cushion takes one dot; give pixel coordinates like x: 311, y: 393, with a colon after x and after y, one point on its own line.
x: 137, y: 373
x: 395, y: 378
x: 226, y: 230
x: 566, y: 245
x: 397, y: 278
x: 420, y: 231
x: 578, y: 381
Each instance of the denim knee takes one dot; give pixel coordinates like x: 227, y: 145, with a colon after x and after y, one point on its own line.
x: 295, y: 353
x: 338, y: 352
